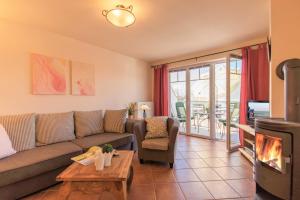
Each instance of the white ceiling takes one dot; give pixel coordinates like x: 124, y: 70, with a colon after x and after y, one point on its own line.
x: 163, y: 29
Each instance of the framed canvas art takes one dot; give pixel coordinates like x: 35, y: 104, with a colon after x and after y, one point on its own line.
x: 48, y: 74
x: 83, y: 79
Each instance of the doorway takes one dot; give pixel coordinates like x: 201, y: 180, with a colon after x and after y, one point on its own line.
x: 205, y: 99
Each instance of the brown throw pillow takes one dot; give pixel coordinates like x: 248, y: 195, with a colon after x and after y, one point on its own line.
x: 114, y: 121
x: 156, y: 127
x: 54, y: 127
x: 88, y: 123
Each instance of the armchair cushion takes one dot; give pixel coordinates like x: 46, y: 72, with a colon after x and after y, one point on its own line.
x: 156, y: 127
x: 156, y: 144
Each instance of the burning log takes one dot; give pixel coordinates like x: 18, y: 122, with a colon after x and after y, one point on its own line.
x: 273, y: 163
x: 269, y: 150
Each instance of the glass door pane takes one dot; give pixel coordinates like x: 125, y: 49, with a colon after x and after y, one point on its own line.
x: 199, y: 100
x: 235, y: 66
x: 220, y: 100
x: 178, y: 97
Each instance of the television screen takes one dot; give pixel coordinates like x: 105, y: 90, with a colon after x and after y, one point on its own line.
x: 258, y: 109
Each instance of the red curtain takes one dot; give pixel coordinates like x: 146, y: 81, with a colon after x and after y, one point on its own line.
x: 161, y: 95
x: 254, y: 79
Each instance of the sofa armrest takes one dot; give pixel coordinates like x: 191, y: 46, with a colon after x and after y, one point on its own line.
x: 173, y: 127
x: 139, y: 130
x: 129, y: 126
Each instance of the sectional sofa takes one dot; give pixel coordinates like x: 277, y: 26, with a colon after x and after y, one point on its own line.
x: 45, y: 144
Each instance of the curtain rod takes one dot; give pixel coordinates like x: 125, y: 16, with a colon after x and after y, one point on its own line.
x: 211, y: 54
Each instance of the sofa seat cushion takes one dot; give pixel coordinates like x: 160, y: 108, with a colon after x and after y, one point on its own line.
x: 36, y: 161
x: 156, y: 144
x: 116, y: 139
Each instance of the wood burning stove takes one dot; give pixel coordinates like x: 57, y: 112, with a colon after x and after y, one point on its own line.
x: 275, y: 156
x: 277, y: 142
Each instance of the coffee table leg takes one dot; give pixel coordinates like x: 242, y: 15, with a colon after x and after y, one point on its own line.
x: 130, y: 177
x: 124, y: 186
x: 121, y: 190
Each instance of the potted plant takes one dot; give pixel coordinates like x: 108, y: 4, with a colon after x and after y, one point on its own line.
x: 107, y: 150
x: 130, y: 108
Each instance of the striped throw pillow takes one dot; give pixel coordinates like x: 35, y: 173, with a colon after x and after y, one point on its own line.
x: 21, y: 130
x: 54, y: 127
x: 114, y: 121
x: 88, y: 123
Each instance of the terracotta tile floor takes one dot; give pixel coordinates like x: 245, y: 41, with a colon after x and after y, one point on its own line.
x: 203, y: 170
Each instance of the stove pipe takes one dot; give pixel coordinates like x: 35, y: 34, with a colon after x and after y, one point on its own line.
x: 289, y: 71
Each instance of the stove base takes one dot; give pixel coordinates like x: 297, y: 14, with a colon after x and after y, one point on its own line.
x: 261, y: 194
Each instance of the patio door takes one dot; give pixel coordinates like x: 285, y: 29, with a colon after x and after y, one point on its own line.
x: 177, y: 96
x: 198, y: 99
x: 205, y: 99
x: 199, y: 96
x: 233, y: 100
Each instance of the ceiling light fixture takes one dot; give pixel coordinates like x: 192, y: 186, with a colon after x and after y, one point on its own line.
x: 120, y: 16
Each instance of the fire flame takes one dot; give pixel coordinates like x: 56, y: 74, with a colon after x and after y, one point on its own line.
x: 269, y: 150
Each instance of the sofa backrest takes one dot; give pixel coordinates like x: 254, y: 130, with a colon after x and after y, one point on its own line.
x: 27, y: 131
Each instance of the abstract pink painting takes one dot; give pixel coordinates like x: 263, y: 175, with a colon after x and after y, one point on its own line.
x: 48, y: 74
x: 83, y: 79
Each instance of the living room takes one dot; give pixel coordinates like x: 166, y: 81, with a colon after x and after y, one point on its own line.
x: 130, y: 99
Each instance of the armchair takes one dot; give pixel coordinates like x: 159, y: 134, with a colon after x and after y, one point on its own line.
x: 158, y: 149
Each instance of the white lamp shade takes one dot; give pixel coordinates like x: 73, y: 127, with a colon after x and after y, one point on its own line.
x: 120, y: 16
x: 145, y: 107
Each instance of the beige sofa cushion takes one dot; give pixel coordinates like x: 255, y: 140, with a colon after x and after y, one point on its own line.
x: 156, y: 127
x: 156, y: 144
x: 54, y: 127
x: 114, y: 121
x: 21, y: 130
x: 88, y: 123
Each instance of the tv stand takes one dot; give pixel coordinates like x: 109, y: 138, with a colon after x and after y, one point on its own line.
x: 248, y: 151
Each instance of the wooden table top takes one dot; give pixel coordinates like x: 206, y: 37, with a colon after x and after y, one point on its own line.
x: 118, y: 171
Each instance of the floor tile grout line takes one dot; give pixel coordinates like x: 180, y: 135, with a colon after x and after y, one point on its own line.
x: 208, y: 190
x: 153, y: 185
x: 224, y: 180
x: 184, y: 196
x: 233, y: 189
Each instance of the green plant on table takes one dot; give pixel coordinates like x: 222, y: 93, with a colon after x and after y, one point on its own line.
x: 107, y: 148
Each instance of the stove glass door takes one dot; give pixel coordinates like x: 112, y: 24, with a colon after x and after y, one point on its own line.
x: 269, y: 150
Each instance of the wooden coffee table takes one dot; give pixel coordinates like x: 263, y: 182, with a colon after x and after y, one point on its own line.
x: 84, y: 182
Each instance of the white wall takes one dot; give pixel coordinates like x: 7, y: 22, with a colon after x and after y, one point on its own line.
x: 119, y: 79
x: 285, y: 36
